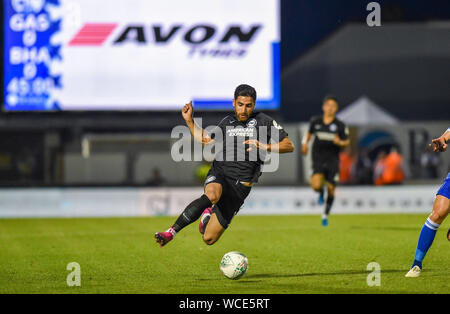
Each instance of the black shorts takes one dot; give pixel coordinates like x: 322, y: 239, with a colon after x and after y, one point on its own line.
x: 329, y: 169
x: 233, y: 195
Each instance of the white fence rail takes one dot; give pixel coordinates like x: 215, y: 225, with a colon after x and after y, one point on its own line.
x: 133, y: 202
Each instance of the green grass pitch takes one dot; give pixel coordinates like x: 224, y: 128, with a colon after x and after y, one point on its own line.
x: 287, y: 254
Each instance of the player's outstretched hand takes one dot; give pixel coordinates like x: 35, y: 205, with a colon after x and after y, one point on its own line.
x: 438, y: 144
x: 255, y: 144
x: 187, y: 111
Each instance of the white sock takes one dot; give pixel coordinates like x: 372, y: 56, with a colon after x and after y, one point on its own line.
x: 172, y: 231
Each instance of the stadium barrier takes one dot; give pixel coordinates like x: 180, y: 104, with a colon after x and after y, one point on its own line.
x: 134, y: 202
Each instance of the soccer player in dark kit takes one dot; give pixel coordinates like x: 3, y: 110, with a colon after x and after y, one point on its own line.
x: 331, y: 135
x: 236, y: 166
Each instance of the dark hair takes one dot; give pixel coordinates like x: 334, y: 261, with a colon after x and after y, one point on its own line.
x: 245, y: 90
x: 330, y: 97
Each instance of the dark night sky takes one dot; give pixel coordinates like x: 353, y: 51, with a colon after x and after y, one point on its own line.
x: 304, y: 23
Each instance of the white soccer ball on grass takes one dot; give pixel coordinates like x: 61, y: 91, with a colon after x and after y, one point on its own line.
x: 234, y: 265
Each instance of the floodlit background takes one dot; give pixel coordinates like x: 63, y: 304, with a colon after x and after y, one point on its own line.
x: 93, y: 89
x: 91, y: 98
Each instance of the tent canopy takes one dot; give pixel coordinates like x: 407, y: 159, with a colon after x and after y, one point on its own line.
x: 364, y: 111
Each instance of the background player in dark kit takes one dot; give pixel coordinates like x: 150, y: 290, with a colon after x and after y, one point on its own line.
x: 229, y: 180
x: 331, y: 135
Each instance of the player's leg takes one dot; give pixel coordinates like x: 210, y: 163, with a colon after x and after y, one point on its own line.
x: 317, y: 182
x: 441, y: 208
x: 214, y: 191
x: 191, y: 213
x: 233, y: 196
x: 331, y: 187
x: 213, y: 230
x: 331, y: 177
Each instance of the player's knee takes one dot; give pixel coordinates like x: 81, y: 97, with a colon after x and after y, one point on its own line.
x: 441, y: 209
x: 209, y: 240
x: 213, y: 196
x: 438, y: 216
x: 316, y: 186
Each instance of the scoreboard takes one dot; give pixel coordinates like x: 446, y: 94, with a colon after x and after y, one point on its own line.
x: 138, y: 54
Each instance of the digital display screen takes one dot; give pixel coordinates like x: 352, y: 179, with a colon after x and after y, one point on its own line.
x: 71, y: 55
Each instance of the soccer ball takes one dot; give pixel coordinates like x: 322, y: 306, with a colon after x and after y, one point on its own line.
x: 234, y: 265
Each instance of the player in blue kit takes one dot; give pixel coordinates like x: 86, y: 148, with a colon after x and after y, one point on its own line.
x: 441, y: 209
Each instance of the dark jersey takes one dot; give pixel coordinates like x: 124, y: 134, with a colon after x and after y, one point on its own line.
x: 233, y: 159
x: 323, y: 147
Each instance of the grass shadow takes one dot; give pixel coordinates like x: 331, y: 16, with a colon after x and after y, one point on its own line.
x: 384, y: 228
x: 344, y: 272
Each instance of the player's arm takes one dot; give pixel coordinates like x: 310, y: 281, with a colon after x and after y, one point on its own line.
x: 440, y: 144
x: 305, y: 142
x: 341, y: 143
x: 308, y: 135
x: 341, y: 139
x: 199, y: 134
x: 284, y: 146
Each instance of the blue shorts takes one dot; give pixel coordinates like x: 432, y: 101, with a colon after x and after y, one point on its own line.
x: 444, y: 190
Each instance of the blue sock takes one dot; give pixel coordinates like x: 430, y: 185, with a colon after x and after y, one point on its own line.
x: 426, y: 238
